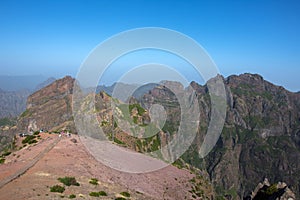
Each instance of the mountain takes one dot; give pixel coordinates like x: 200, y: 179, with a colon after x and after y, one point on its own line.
x: 49, y: 108
x: 138, y: 90
x: 260, y: 138
x: 44, y: 84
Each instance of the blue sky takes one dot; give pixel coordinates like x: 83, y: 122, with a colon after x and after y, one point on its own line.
x: 54, y: 37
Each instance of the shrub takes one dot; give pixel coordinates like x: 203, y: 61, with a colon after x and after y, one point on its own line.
x: 102, y: 193
x: 118, y: 141
x: 98, y: 194
x: 272, y: 189
x: 36, y: 133
x: 2, y: 160
x: 94, y: 194
x: 125, y: 194
x: 6, y: 153
x: 32, y: 142
x: 57, y: 188
x: 72, y: 196
x: 29, y: 139
x: 120, y: 198
x: 94, y: 181
x: 68, y: 181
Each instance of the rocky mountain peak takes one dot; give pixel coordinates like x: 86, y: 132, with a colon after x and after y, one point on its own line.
x: 49, y: 108
x: 59, y: 88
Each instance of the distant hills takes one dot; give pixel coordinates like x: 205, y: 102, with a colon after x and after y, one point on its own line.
x: 14, y: 91
x: 13, y: 103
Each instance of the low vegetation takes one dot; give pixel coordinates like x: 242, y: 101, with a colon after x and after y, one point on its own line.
x: 2, y: 160
x: 72, y: 196
x: 6, y: 153
x: 94, y: 181
x: 120, y: 198
x: 7, y: 122
x: 98, y: 194
x: 125, y: 194
x: 57, y: 188
x: 30, y: 139
x: 68, y: 181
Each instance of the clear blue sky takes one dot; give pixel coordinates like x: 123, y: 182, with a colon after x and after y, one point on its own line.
x: 54, y: 37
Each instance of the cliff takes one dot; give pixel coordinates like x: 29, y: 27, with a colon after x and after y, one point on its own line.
x: 49, y: 108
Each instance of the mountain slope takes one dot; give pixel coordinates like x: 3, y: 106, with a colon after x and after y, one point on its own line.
x: 260, y: 137
x: 49, y: 108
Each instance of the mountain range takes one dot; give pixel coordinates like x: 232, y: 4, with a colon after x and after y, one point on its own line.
x: 260, y: 138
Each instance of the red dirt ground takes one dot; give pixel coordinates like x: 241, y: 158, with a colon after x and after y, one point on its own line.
x: 71, y: 159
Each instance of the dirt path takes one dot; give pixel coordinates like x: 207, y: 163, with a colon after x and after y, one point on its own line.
x: 29, y: 165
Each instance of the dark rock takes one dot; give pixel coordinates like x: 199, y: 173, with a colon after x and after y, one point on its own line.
x: 73, y: 140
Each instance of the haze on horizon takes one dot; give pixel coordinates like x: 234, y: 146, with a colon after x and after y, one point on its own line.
x: 53, y: 38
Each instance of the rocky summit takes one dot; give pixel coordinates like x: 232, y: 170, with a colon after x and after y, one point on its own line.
x: 49, y: 108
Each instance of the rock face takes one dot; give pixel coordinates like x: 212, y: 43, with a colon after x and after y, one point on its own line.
x: 265, y: 190
x: 260, y: 138
x: 49, y: 108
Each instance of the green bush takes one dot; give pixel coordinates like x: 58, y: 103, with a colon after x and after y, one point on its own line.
x: 102, y: 193
x: 32, y: 142
x: 125, y: 194
x: 120, y: 198
x: 68, y: 181
x: 6, y: 153
x: 72, y: 196
x: 26, y: 113
x: 30, y: 139
x: 2, y: 160
x: 57, y: 188
x: 118, y: 141
x: 36, y: 133
x: 94, y: 181
x: 94, y: 194
x: 272, y: 189
x: 98, y: 194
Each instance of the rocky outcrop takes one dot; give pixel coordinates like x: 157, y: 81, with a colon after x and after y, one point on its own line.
x: 265, y: 190
x: 49, y: 108
x: 44, y: 84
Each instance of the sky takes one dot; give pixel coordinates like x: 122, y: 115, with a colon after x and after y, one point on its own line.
x: 53, y: 38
